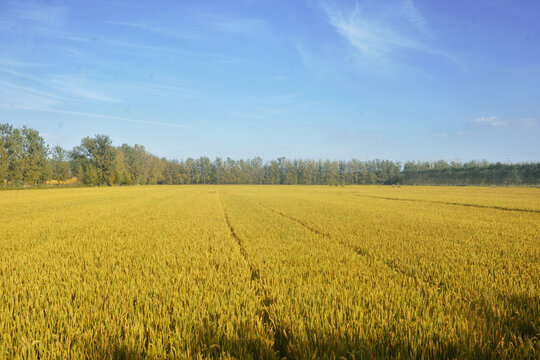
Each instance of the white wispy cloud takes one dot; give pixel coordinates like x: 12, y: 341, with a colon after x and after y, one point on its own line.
x: 13, y: 100
x: 76, y: 87
x: 21, y: 64
x: 381, y: 35
x: 38, y: 12
x: 489, y: 121
x: 453, y: 134
x: 244, y: 26
x: 160, y: 30
x: 140, y: 25
x: 14, y: 95
x: 495, y: 122
x: 316, y: 63
x: 246, y: 115
x: 121, y: 46
x: 76, y: 54
x: 97, y: 116
x: 70, y: 36
x: 199, y: 26
x: 48, y: 136
x: 62, y: 87
x: 20, y: 74
x: 169, y: 91
x: 20, y: 17
x: 528, y: 122
x: 31, y: 90
x: 442, y: 135
x: 415, y: 17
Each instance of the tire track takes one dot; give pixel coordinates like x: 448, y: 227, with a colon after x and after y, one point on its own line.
x: 451, y: 203
x: 280, y: 336
x: 364, y: 252
x: 303, y: 223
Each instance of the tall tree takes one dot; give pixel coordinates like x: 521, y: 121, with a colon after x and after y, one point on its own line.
x: 59, y: 164
x: 34, y: 156
x: 96, y: 155
x: 5, y: 134
x: 15, y: 152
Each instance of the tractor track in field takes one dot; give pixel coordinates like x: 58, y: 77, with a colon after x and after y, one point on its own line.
x: 450, y: 203
x: 361, y: 251
x: 303, y: 223
x: 280, y: 337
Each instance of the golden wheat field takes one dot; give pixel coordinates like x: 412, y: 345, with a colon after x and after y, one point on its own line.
x: 270, y: 272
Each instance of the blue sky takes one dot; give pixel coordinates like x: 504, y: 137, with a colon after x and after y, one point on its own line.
x: 399, y: 80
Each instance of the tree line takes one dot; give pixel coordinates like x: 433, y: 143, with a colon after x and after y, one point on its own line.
x: 471, y: 173
x: 25, y: 159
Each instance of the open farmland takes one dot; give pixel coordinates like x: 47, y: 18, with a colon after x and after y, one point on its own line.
x: 270, y: 272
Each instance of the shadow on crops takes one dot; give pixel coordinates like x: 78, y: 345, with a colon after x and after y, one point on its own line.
x: 210, y: 345
x: 522, y: 318
x: 514, y: 334
x: 518, y: 325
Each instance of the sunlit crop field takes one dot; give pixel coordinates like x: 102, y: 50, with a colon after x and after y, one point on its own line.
x: 267, y: 272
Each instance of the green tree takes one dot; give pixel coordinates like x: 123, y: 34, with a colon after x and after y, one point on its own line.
x: 121, y: 170
x: 101, y: 154
x: 218, y: 171
x: 96, y: 157
x: 59, y: 164
x: 91, y: 176
x: 15, y: 153
x: 5, y: 134
x: 34, y: 156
